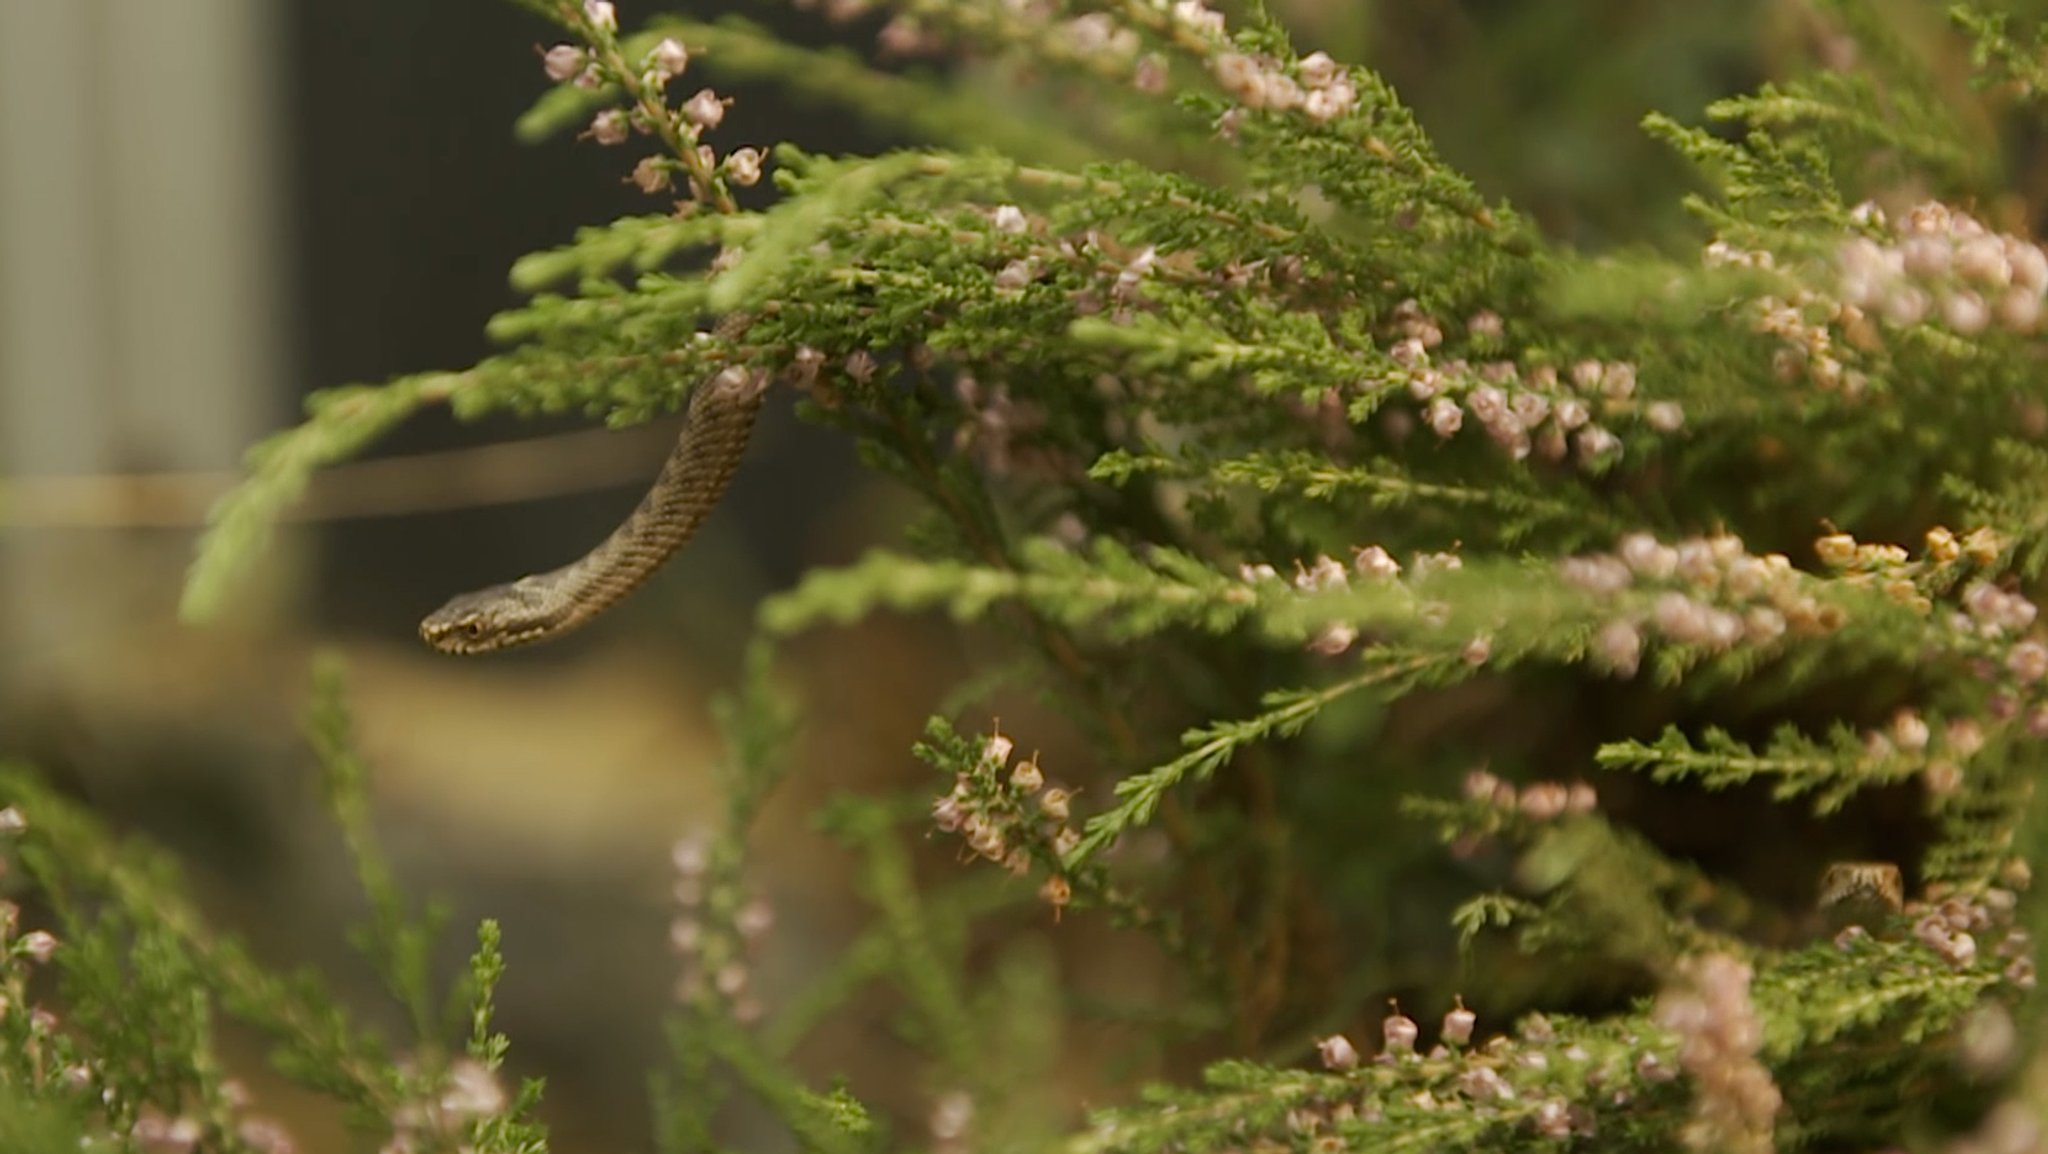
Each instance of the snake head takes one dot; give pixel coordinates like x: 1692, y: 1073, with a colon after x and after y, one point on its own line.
x: 499, y: 617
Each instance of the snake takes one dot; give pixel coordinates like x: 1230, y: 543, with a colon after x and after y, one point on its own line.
x: 543, y: 606
x: 1861, y: 893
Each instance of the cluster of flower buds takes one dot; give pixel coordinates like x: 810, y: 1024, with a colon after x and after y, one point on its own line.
x: 1996, y: 628
x: 646, y: 83
x: 1805, y: 325
x: 469, y: 1091
x: 161, y: 1133
x: 1538, y: 801
x: 1943, y: 265
x: 1958, y: 926
x: 716, y: 931
x: 1462, y: 1075
x: 1541, y: 410
x: 1318, y: 86
x: 996, y: 429
x: 1398, y: 1035
x: 1370, y: 563
x: 1944, y: 753
x: 1709, y: 592
x: 1735, y: 1102
x: 1011, y: 816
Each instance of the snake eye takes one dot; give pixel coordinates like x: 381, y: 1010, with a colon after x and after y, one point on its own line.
x: 474, y: 630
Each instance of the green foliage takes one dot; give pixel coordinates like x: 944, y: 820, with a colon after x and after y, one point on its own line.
x: 1331, y: 505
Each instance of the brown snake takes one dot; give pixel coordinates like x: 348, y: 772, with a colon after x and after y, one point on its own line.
x: 545, y: 605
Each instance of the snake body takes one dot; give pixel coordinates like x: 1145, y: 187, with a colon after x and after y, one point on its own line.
x: 695, y: 476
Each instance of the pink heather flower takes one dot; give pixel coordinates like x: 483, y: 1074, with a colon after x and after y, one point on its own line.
x: 669, y: 58
x: 1318, y: 69
x: 651, y: 174
x: 1333, y: 639
x: 743, y: 167
x: 473, y: 1091
x: 705, y: 110
x: 1530, y: 408
x: 1594, y: 444
x: 1409, y: 353
x: 1484, y: 1084
x: 1458, y: 1024
x: 608, y: 127
x: 1325, y: 573
x: 1910, y: 731
x: 40, y: 945
x: 1398, y: 1032
x: 12, y: 822
x: 1337, y: 1052
x: 1982, y: 259
x: 1027, y: 777
x: 562, y: 62
x: 755, y: 919
x: 2020, y: 309
x: 1009, y: 218
x: 1599, y: 574
x: 1198, y: 17
x: 1326, y: 104
x: 1376, y: 563
x: 1966, y: 313
x: 601, y: 15
x: 266, y: 1136
x: 1618, y: 381
x: 1445, y: 417
x: 2028, y: 661
x: 1619, y: 647
x: 1545, y: 800
x: 691, y: 856
x: 1904, y: 306
x: 1150, y: 75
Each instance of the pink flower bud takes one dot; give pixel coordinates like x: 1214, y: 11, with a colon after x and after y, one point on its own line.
x: 1337, y: 1052
x: 38, y: 944
x: 668, y: 59
x: 1398, y: 1031
x: 562, y: 62
x: 705, y: 110
x: 1458, y: 1024
x: 743, y: 167
x: 608, y: 127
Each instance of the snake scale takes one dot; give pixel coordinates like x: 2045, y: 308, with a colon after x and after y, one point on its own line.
x: 695, y: 476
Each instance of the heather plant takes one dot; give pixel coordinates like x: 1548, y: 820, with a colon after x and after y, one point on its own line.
x: 1624, y: 659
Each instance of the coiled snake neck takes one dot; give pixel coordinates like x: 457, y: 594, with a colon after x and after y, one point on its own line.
x: 692, y: 480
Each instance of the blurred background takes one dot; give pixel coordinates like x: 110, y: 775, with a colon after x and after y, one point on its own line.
x: 209, y: 208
